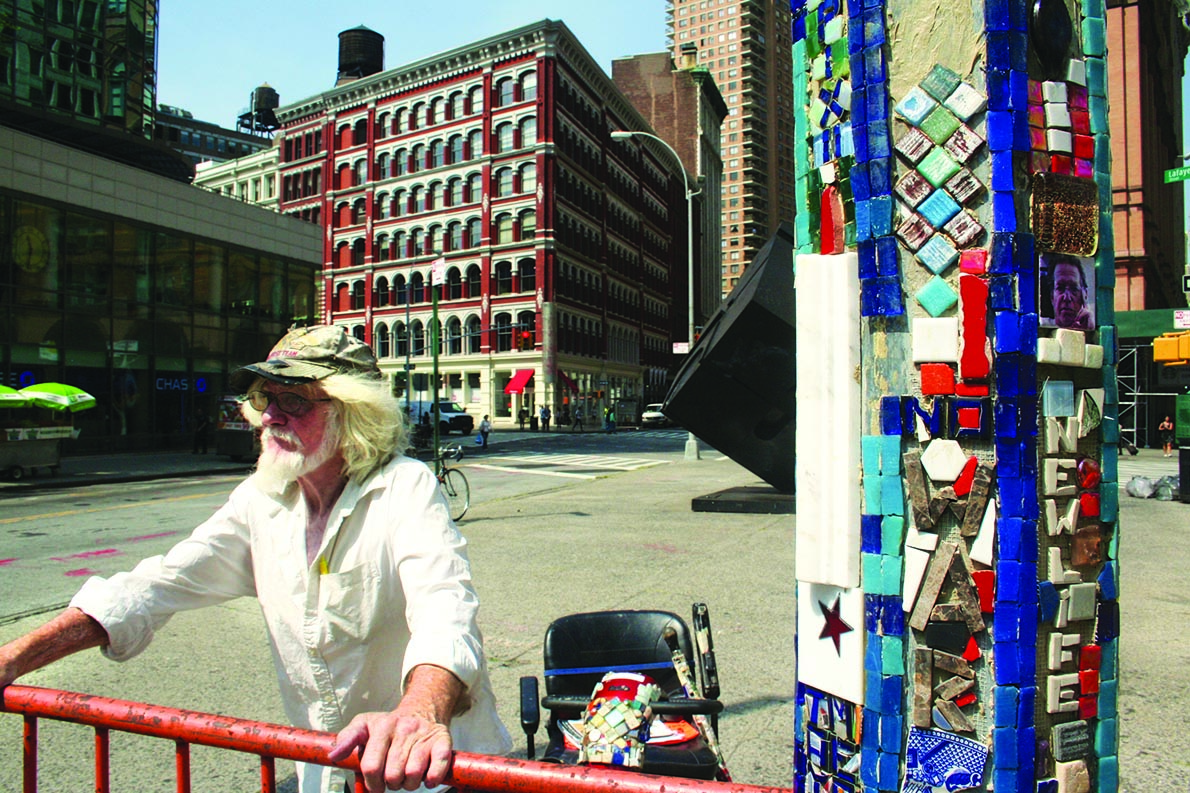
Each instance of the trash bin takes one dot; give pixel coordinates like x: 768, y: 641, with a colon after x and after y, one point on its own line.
x: 533, y: 423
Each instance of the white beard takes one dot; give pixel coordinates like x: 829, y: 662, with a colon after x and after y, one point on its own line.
x: 277, y: 468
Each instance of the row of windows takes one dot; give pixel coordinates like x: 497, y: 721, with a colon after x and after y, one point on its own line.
x: 508, y: 279
x: 440, y: 238
x: 457, y: 336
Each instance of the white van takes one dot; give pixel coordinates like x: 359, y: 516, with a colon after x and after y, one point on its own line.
x: 451, y: 417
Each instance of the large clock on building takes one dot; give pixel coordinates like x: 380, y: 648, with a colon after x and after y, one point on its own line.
x: 30, y: 248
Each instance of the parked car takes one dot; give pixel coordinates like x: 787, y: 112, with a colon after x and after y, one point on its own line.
x: 451, y: 417
x: 653, y: 417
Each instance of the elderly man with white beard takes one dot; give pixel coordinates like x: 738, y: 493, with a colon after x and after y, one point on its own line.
x: 361, y: 576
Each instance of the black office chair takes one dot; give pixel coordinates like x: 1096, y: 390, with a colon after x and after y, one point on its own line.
x: 581, y: 648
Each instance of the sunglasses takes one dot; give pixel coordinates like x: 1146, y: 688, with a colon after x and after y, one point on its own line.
x: 286, y: 401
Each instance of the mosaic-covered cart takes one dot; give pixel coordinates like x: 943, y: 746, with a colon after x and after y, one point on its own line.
x: 956, y: 443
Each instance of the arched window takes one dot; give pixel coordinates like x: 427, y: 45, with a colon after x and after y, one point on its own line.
x: 454, y: 336
x: 400, y: 121
x: 382, y: 124
x: 503, y: 278
x: 474, y: 232
x: 383, y: 206
x: 475, y: 144
x: 359, y: 132
x: 417, y: 115
x: 418, y: 337
x: 359, y: 172
x: 504, y: 228
x: 417, y: 286
x: 400, y: 245
x: 343, y: 297
x: 527, y: 275
x: 527, y: 223
x: 398, y: 203
x: 455, y: 189
x: 454, y: 236
x: 475, y: 99
x: 434, y: 239
x: 456, y: 149
x: 382, y: 342
x: 505, y: 91
x: 359, y: 211
x: 381, y: 249
x: 400, y: 291
x: 436, y: 115
x: 526, y: 322
x: 357, y: 296
x: 504, y: 137
x: 437, y: 154
x: 343, y: 215
x: 454, y: 284
x: 504, y: 182
x: 528, y: 86
x: 417, y: 158
x: 401, y: 337
x: 435, y: 197
x: 528, y: 132
x: 474, y: 334
x: 457, y: 105
x: 528, y: 177
x: 382, y: 293
x: 502, y: 325
x: 400, y: 162
x: 418, y: 195
x: 357, y: 257
x: 382, y: 166
x: 473, y: 281
x: 474, y: 188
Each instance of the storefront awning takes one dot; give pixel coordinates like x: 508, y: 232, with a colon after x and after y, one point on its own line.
x: 573, y: 386
x: 519, y: 381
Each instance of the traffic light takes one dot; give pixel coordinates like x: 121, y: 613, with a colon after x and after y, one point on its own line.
x: 1172, y: 349
x: 526, y: 341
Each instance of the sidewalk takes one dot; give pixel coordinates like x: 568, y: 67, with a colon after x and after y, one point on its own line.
x: 146, y: 465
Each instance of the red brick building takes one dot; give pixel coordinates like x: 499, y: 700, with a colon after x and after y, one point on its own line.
x: 558, y: 244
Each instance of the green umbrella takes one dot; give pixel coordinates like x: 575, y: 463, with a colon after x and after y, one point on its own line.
x: 12, y: 398
x: 59, y: 396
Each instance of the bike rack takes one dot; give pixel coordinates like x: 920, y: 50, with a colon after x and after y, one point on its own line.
x: 469, y: 772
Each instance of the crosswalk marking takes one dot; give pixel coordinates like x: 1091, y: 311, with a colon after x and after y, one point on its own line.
x: 600, y: 461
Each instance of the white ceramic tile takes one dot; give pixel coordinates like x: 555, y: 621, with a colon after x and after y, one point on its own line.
x: 943, y: 460
x: 1073, y: 344
x: 838, y: 671
x: 916, y: 561
x: 936, y: 339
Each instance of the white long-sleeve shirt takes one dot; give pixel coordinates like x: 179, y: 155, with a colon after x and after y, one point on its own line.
x: 389, y: 590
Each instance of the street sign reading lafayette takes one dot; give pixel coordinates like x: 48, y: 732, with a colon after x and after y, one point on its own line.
x: 1177, y: 174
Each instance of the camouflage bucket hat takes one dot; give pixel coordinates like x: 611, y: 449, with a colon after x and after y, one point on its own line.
x: 307, y: 354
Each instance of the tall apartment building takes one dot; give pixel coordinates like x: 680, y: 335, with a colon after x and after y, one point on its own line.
x: 746, y: 45
x: 491, y: 167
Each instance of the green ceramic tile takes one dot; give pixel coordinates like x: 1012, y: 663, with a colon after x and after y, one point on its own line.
x: 1094, y: 37
x: 936, y: 297
x: 818, y: 67
x: 834, y: 29
x: 940, y: 124
x: 940, y: 82
x: 937, y: 167
x: 892, y: 655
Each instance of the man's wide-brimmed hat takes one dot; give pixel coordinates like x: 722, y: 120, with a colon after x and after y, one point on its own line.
x: 307, y: 354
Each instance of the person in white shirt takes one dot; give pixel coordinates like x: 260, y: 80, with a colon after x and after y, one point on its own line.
x: 361, y: 575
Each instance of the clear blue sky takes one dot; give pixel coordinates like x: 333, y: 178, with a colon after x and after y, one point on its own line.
x: 213, y: 53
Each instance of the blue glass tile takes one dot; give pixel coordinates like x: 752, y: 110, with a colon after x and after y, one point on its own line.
x: 846, y: 140
x: 1003, y: 172
x: 889, y: 774
x: 1006, y: 699
x: 1004, y: 746
x: 799, y: 27
x: 1000, y: 293
x: 1094, y: 37
x: 1005, y: 669
x: 999, y: 130
x: 1018, y: 49
x: 1008, y: 572
x: 860, y: 189
x: 1026, y: 753
x: 1003, y: 777
x: 859, y: 105
x: 1008, y: 374
x: 1028, y: 614
x: 1011, y: 494
x: 873, y: 65
x: 879, y: 145
x: 914, y: 410
x: 870, y: 533
x: 881, y: 215
x: 866, y: 251
x: 1019, y: 16
x: 1021, y: 137
x: 1026, y: 254
x: 869, y: 298
x: 1109, y: 707
x: 1004, y: 211
x: 1004, y: 413
x: 1008, y: 460
x: 890, y: 415
x: 891, y: 732
x: 872, y: 603
x: 876, y: 97
x: 938, y: 208
x: 1107, y: 581
x: 937, y: 254
x: 873, y: 653
x: 1002, y: 252
x: 855, y: 40
x: 997, y: 87
x: 889, y: 299
x: 879, y: 181
x: 1018, y: 90
x: 890, y: 694
x: 1027, y: 374
x: 996, y: 17
x: 892, y: 620
x: 873, y: 20
x: 1048, y: 601
x: 999, y: 54
x: 1026, y: 700
x: 863, y: 219
x: 887, y: 256
x: 1006, y: 333
x: 1004, y: 628
x: 1027, y: 660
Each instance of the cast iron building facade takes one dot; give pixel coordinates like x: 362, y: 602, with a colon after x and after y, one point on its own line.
x: 746, y: 45
x: 557, y: 244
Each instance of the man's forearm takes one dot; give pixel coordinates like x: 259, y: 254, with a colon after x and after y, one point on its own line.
x: 434, y: 694
x: 69, y: 632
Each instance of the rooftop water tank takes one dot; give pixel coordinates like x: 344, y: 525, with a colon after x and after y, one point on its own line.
x: 361, y: 53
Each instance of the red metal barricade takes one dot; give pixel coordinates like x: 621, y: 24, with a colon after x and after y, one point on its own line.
x: 470, y: 772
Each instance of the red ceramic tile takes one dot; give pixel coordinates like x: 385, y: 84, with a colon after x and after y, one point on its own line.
x: 936, y: 379
x: 985, y: 584
x: 1084, y: 169
x: 974, y: 261
x: 1080, y: 122
x: 832, y: 221
x: 973, y: 292
x: 1061, y: 163
x: 1037, y: 138
x: 1088, y: 682
x: 968, y: 388
x: 972, y: 653
x: 1088, y: 504
x: 1084, y: 147
x: 1089, y: 474
x: 969, y: 418
x: 1088, y: 707
x: 1090, y: 656
x: 965, y: 699
x: 962, y: 485
x: 1076, y: 96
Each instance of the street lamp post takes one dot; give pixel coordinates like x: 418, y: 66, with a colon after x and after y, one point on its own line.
x: 437, y: 279
x: 691, y: 442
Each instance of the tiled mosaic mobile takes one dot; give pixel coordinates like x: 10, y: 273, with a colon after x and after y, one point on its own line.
x: 957, y: 601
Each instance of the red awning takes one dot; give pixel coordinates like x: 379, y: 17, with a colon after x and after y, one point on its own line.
x: 518, y: 382
x: 573, y: 386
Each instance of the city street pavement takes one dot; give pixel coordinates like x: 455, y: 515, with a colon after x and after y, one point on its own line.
x: 627, y: 540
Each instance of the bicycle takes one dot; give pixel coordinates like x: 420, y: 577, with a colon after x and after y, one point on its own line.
x: 454, y: 484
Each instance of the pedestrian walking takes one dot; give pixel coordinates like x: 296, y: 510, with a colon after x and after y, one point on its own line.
x: 362, y: 578
x: 485, y: 429
x: 609, y: 420
x: 545, y: 418
x: 202, y: 429
x: 578, y: 420
x: 1166, y: 430
x: 522, y: 416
